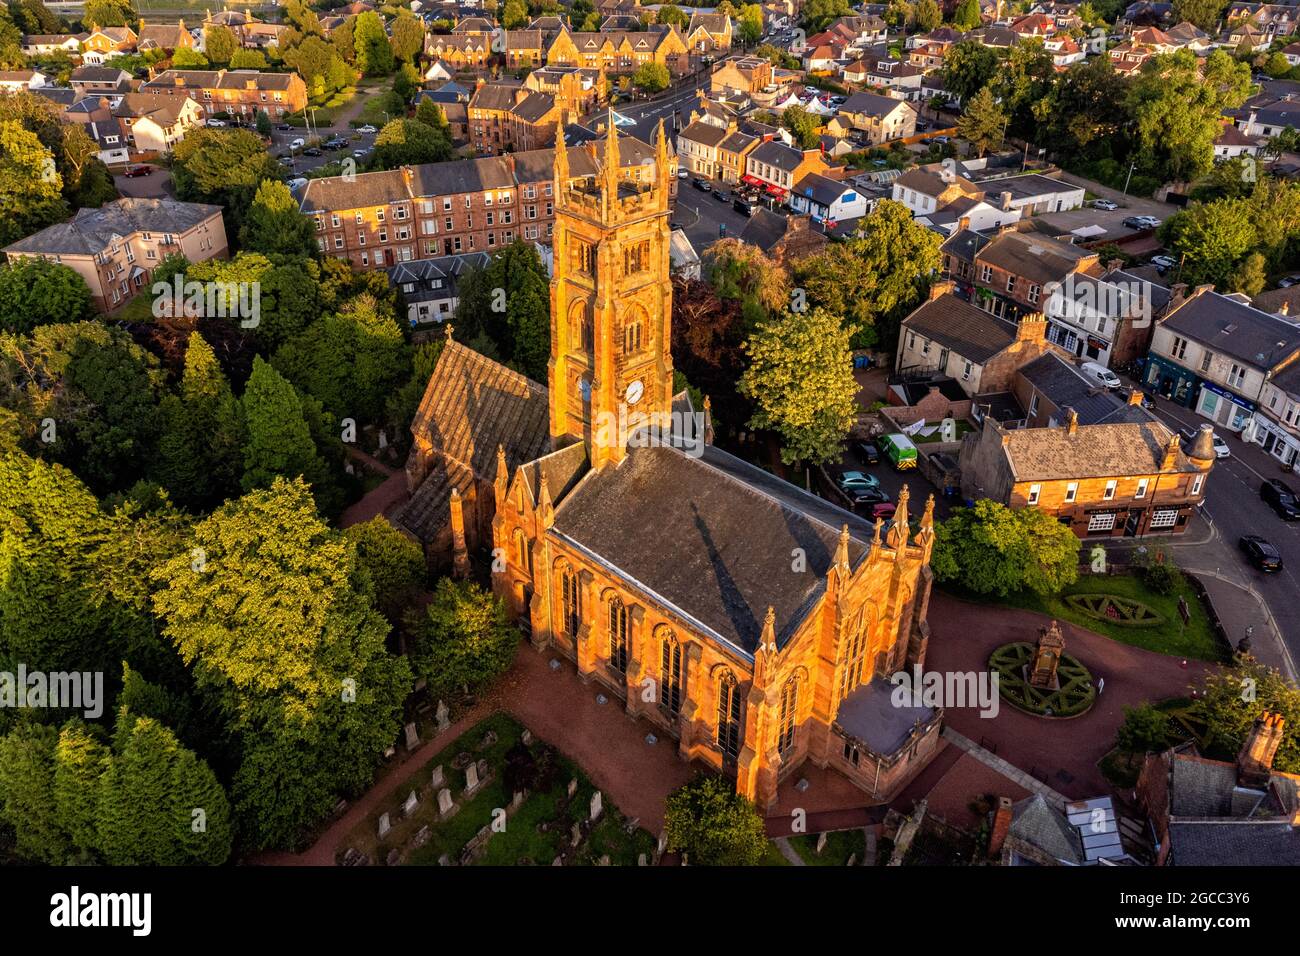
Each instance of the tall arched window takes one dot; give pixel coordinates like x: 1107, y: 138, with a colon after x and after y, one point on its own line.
x: 854, y: 652
x: 632, y: 338
x: 670, y: 675
x: 523, y: 556
x: 618, y: 635
x: 729, y: 728
x: 571, y: 603
x: 789, y: 705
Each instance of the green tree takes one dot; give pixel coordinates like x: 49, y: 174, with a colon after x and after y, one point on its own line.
x: 713, y: 825
x: 928, y: 16
x: 393, y: 563
x: 673, y: 15
x: 750, y: 23
x: 463, y: 641
x: 224, y: 167
x: 189, y: 59
x: 968, y: 67
x: 405, y: 142
x: 26, y: 786
x: 967, y: 15
x: 275, y: 225
x: 1202, y: 13
x: 819, y: 14
x: 219, y: 44
x: 874, y: 280
x: 1211, y: 239
x: 1178, y: 105
x: 1250, y: 276
x: 651, y: 77
x: 431, y: 114
x: 31, y: 187
x: 407, y: 37
x: 514, y: 15
x: 991, y: 549
x: 803, y: 126
x: 508, y: 303
x: 251, y: 60
x: 983, y: 123
x: 80, y: 759
x: 108, y: 13
x: 800, y: 379
x: 1229, y: 711
x: 374, y: 53
x: 286, y: 646
x: 279, y: 439
x: 1145, y: 730
x: 39, y: 292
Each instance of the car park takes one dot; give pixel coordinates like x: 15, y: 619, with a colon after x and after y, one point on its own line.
x: 1096, y: 372
x: 1281, y: 498
x: 857, y: 481
x: 1105, y: 204
x: 1261, y: 553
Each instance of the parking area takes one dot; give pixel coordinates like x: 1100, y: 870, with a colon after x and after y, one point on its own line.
x: 704, y: 216
x: 889, y: 480
x: 301, y: 160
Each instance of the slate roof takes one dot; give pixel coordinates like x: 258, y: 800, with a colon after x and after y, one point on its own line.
x: 1230, y: 328
x: 1234, y: 843
x: 964, y: 244
x: 1036, y: 822
x: 1066, y: 387
x: 1032, y: 256
x: 869, y: 714
x: 723, y: 531
x: 421, y: 271
x: 822, y: 190
x: 708, y: 134
x: 470, y: 406
x: 764, y: 229
x: 778, y: 154
x: 966, y: 329
x: 871, y: 104
x: 1093, y: 451
x: 92, y: 230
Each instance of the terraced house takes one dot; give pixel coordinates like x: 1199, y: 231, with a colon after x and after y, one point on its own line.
x: 620, y: 53
x: 441, y: 209
x: 240, y: 93
x: 507, y: 118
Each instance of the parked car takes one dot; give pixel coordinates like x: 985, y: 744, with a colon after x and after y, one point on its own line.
x: 311, y: 151
x: 683, y: 174
x: 721, y: 195
x: 1163, y: 263
x: 1260, y: 553
x: 285, y: 161
x: 367, y: 129
x: 142, y: 170
x: 1105, y: 204
x: 743, y: 207
x: 297, y: 182
x: 884, y: 510
x: 363, y: 152
x: 857, y: 481
x: 1141, y: 222
x: 1096, y: 372
x: 1288, y: 282
x: 298, y: 143
x: 701, y: 184
x: 284, y: 127
x: 216, y: 122
x: 867, y: 451
x: 900, y: 451
x: 1281, y: 498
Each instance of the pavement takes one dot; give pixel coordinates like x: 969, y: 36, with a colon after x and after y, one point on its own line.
x: 1244, y: 597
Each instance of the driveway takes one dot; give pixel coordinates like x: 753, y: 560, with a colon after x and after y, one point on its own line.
x: 156, y: 185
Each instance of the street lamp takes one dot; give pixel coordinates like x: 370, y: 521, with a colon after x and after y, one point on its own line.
x: 1129, y: 177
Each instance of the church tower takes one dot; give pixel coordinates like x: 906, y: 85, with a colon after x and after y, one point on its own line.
x: 611, y: 300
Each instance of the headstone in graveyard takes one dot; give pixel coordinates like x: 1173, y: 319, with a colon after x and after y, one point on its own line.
x: 412, y: 737
x: 597, y: 805
x: 439, y: 778
x: 446, y: 805
x: 471, y: 778
x: 443, y: 716
x: 384, y: 826
x: 411, y: 803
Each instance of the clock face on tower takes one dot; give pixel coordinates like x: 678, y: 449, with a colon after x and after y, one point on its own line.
x: 634, y: 392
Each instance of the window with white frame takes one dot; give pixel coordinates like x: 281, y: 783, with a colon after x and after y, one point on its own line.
x: 1109, y: 493
x: 1164, y: 518
x: 1071, y: 491
x: 1196, y: 484
x: 1141, y: 488
x: 1034, y: 492
x: 1104, y: 522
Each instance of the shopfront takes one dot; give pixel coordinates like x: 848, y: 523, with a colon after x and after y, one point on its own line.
x: 1224, y: 408
x: 1172, y: 382
x: 1276, y: 440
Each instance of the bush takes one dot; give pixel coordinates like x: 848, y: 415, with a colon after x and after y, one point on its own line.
x: 1161, y: 575
x: 714, y: 825
x: 1145, y: 729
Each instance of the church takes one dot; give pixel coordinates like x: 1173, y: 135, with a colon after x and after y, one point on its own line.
x: 751, y: 622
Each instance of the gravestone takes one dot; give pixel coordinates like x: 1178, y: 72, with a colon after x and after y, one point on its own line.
x: 597, y: 805
x: 390, y: 753
x: 821, y: 842
x: 384, y: 826
x: 393, y: 858
x: 558, y: 861
x: 663, y: 844
x: 444, y: 860
x: 575, y: 835
x: 484, y: 770
x: 412, y: 737
x: 604, y: 861
x: 439, y: 778
x: 526, y: 738
x: 471, y: 778
x: 411, y: 803
x: 422, y: 837
x: 853, y: 860
x: 517, y: 800
x: 641, y: 860
x: 443, y: 716
x: 573, y: 786
x: 488, y: 740
x: 446, y: 805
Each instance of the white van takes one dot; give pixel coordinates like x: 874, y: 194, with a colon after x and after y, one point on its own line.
x: 1096, y: 372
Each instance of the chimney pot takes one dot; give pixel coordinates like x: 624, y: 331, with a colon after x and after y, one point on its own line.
x: 1071, y: 421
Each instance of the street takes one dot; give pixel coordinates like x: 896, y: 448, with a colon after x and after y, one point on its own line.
x: 702, y: 215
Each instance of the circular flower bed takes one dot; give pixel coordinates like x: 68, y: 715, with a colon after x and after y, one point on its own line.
x: 1075, y: 695
x: 1117, y: 610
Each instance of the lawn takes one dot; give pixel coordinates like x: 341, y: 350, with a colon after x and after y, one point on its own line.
x: 1196, y: 639
x: 523, y: 837
x: 840, y: 845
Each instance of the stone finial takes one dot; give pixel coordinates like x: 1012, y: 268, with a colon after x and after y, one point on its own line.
x: 447, y: 329
x: 927, y: 519
x: 842, y: 550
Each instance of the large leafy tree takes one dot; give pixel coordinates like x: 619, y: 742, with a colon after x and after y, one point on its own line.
x: 983, y: 122
x: 1021, y: 83
x: 279, y: 441
x: 407, y: 37
x: 818, y: 14
x: 968, y: 67
x: 1202, y: 13
x: 374, y: 53
x: 1211, y: 239
x: 40, y: 292
x: 802, y: 125
x: 1084, y: 109
x: 275, y: 224
x: 800, y: 379
x: 1230, y: 700
x: 991, y: 549
x: 31, y: 187
x: 966, y: 16
x: 219, y: 44
x: 392, y: 561
x: 463, y: 641
x: 928, y: 16
x: 285, y: 644
x: 714, y: 825
x: 651, y: 77
x: 108, y: 13
x: 405, y: 142
x: 875, y: 279
x: 508, y: 304
x: 222, y: 166
x: 1177, y: 105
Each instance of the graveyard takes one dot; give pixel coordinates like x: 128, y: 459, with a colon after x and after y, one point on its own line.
x: 497, y: 796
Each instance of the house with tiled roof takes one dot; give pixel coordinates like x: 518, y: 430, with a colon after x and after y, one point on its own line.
x: 99, y: 81
x: 241, y: 93
x: 621, y: 53
x: 168, y: 37
x: 785, y: 238
x: 116, y: 247
x: 14, y: 81
x: 775, y: 167
x: 106, y: 42
x: 1206, y: 812
x: 1105, y: 480
x: 708, y: 32
x: 879, y: 119
x: 506, y: 118
x: 43, y: 44
x: 1232, y: 143
x: 153, y: 124
x: 1017, y: 269
x: 428, y: 287
x: 1052, y: 387
x: 1213, y: 354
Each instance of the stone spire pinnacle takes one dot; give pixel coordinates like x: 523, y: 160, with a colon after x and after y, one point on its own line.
x: 501, y: 483
x: 898, y: 531
x: 561, y: 165
x: 842, y: 552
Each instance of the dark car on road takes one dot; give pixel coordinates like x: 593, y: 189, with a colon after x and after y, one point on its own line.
x: 143, y: 170
x: 311, y: 151
x: 1281, y: 498
x: 701, y: 184
x: 867, y: 451
x: 742, y: 207
x: 1260, y: 553
x: 721, y: 195
x: 284, y: 127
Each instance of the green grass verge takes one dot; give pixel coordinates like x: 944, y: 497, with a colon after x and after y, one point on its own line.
x: 840, y: 845
x: 1195, y: 640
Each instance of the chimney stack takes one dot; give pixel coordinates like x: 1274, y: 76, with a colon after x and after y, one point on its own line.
x: 963, y: 223
x: 1006, y: 202
x: 941, y: 287
x: 1285, y: 309
x: 1114, y: 265
x: 1171, y: 453
x: 1001, y: 827
x: 1071, y: 421
x: 1255, y: 762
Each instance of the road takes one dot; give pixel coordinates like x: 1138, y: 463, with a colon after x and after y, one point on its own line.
x: 702, y: 215
x: 1233, y: 508
x: 673, y: 107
